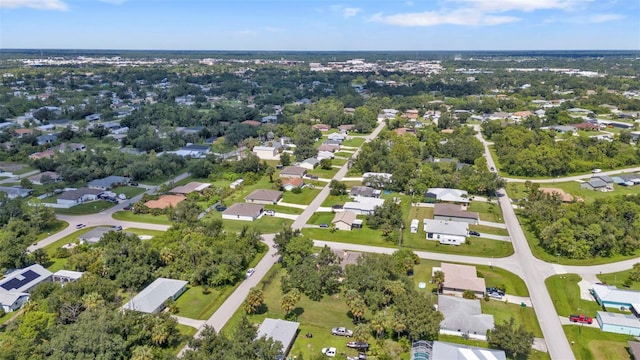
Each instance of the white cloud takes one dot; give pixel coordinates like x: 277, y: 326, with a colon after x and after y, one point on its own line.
x: 346, y: 12
x: 478, y: 12
x: 35, y: 4
x: 600, y: 18
x: 433, y: 18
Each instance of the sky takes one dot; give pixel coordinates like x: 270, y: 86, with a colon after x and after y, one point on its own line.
x: 321, y: 24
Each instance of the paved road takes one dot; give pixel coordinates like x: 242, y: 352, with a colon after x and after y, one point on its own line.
x: 17, y: 178
x: 573, y: 178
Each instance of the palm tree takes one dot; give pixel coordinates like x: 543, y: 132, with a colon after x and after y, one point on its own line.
x: 254, y: 300
x: 438, y: 279
x: 378, y: 324
x: 160, y: 332
x: 289, y: 301
x: 166, y: 256
x: 92, y: 300
x: 270, y: 171
x: 142, y: 353
x: 361, y: 332
x: 357, y: 307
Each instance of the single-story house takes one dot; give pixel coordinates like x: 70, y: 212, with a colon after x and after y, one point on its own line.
x: 78, y: 196
x: 458, y: 278
x: 346, y: 128
x: 23, y: 280
x: 165, y: 201
x: 618, y: 323
x: 48, y: 176
x: 264, y: 196
x: 47, y: 139
x: 364, y: 191
x: 344, y: 220
x: 446, y: 232
x: 236, y: 184
x: 279, y: 330
x: 293, y: 172
x: 310, y: 163
x: 606, y: 178
x: 562, y: 129
x: 464, y: 317
x: 12, y: 300
x: 108, y: 183
x: 610, y: 296
x: 346, y: 257
x: 95, y: 235
x: 193, y: 186
x: 15, y: 192
x: 377, y: 180
x: 634, y: 178
x: 448, y: 351
x: 586, y: 126
x: 243, y: 211
x: 332, y: 142
x: 329, y: 148
x: 292, y: 183
x: 596, y: 184
x: 267, y: 152
x: 634, y: 349
x: 337, y: 136
x: 152, y: 299
x: 455, y: 196
x: 325, y: 155
x: 454, y: 212
x: 321, y: 127
x: 66, y: 276
x: 363, y: 205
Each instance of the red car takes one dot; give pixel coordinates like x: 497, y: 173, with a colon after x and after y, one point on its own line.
x: 580, y: 319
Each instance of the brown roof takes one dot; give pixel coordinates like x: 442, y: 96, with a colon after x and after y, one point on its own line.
x: 165, y: 201
x: 634, y: 348
x: 297, y: 182
x: 244, y: 209
x: 321, y: 127
x: 251, y: 122
x: 525, y: 113
x: 328, y: 147
x: 348, y: 257
x: 346, y: 127
x: 586, y: 126
x: 346, y: 217
x: 23, y: 131
x: 453, y: 210
x: 447, y: 131
x: 264, y: 195
x: 293, y: 170
x: 462, y: 277
x: 561, y: 193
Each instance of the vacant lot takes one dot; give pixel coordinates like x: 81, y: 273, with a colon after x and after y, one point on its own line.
x: 144, y: 218
x: 92, y: 207
x: 594, y: 344
x: 565, y: 293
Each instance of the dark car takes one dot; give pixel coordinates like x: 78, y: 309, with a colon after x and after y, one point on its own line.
x: 358, y: 345
x: 324, y: 225
x: 133, y: 183
x: 221, y: 208
x: 495, y: 290
x: 474, y: 233
x: 337, y: 207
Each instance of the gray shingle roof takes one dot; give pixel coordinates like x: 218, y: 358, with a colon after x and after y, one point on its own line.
x: 154, y: 295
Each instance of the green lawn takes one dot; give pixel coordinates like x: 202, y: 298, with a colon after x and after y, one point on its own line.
x: 266, y: 224
x: 144, y: 218
x: 338, y: 162
x: 321, y: 218
x: 239, y: 194
x: 58, y: 264
x: 304, y: 198
x: 519, y: 191
x: 343, y: 154
x: 315, y: 317
x: 322, y: 173
x: 618, y: 279
x: 487, y: 211
x: 284, y: 209
x: 503, y: 311
x: 354, y: 142
x: 489, y: 230
x: 57, y: 226
x: 542, y: 254
x: 565, y: 293
x: 594, y: 344
x: 92, y: 207
x: 335, y: 200
x: 195, y: 304
x: 129, y: 191
x: 366, y: 236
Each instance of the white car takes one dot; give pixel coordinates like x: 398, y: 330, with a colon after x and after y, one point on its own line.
x: 330, y: 352
x: 250, y: 272
x: 596, y: 171
x: 270, y: 212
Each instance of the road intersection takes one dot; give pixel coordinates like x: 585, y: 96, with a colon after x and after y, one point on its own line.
x: 522, y: 263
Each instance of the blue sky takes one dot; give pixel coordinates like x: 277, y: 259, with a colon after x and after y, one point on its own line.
x: 321, y: 24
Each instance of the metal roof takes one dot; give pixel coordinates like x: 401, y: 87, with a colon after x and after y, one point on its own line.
x: 279, y: 330
x: 153, y: 296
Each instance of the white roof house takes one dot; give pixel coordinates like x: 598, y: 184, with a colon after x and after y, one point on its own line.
x: 611, y: 296
x: 151, y: 300
x: 23, y: 280
x: 363, y: 205
x: 279, y: 330
x: 446, y: 232
x: 65, y: 276
x: 12, y: 301
x: 448, y: 195
x: 464, y: 317
x: 448, y: 351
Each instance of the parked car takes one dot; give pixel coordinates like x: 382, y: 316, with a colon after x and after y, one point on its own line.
x: 493, y: 169
x: 117, y: 228
x: 337, y: 207
x: 495, y: 290
x: 474, y: 233
x: 596, y: 171
x: 495, y: 295
x: 582, y: 319
x: 270, y: 212
x: 133, y: 183
x: 362, y: 345
x: 341, y: 331
x: 221, y: 208
x: 324, y: 225
x: 250, y: 272
x: 330, y: 352
x: 80, y: 226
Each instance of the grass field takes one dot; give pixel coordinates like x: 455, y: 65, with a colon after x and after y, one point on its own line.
x: 565, y: 293
x: 487, y: 211
x: 92, y: 207
x: 489, y: 230
x: 618, y: 279
x: 519, y: 191
x: 129, y: 191
x: 304, y: 198
x: 353, y: 142
x: 594, y: 344
x: 321, y: 218
x: 335, y: 200
x: 143, y: 218
x: 322, y: 173
x: 195, y: 304
x: 56, y: 227
x: 503, y: 312
x: 316, y: 318
x: 284, y: 209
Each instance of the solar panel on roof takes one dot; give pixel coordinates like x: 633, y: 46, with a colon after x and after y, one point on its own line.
x: 20, y: 280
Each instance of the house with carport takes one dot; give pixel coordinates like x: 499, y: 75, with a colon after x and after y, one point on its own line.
x: 264, y: 196
x: 446, y: 232
x: 78, y: 196
x: 293, y: 172
x: 609, y: 296
x: 454, y: 196
x: 152, y: 299
x: 618, y: 323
